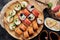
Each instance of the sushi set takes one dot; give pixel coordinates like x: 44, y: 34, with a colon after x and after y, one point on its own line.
x: 24, y: 20
x: 21, y: 19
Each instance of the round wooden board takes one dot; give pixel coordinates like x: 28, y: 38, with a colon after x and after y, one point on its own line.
x: 13, y: 33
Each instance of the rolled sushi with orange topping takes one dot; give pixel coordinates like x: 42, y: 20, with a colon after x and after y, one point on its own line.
x: 30, y: 30
x: 22, y: 27
x: 27, y: 21
x: 26, y: 12
x: 18, y: 31
x: 35, y: 12
x: 26, y: 35
x: 35, y: 25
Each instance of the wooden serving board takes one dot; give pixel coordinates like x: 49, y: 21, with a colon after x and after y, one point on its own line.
x: 11, y: 32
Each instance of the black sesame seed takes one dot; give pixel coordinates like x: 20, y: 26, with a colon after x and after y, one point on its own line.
x: 32, y: 6
x: 29, y: 17
x: 21, y: 14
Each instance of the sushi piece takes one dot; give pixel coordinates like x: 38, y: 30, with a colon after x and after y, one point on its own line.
x: 18, y: 31
x: 57, y: 14
x: 39, y: 21
x: 35, y: 26
x: 27, y: 21
x: 22, y: 27
x: 30, y: 7
x: 35, y: 12
x: 31, y: 17
x: 30, y: 30
x: 56, y: 8
x: 24, y: 4
x: 12, y: 13
x: 26, y: 12
x: 17, y: 7
x: 26, y: 35
x: 17, y: 21
x: 9, y: 19
x: 12, y: 26
x: 22, y: 16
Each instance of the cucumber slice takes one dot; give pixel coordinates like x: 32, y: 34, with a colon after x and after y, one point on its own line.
x: 17, y: 21
x: 18, y: 7
x: 12, y: 13
x: 12, y: 26
x: 24, y: 4
x: 9, y: 19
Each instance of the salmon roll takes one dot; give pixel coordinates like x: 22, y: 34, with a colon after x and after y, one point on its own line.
x: 30, y: 30
x: 26, y: 35
x: 35, y: 12
x: 22, y: 27
x: 26, y: 12
x: 18, y: 31
x: 27, y: 21
x: 35, y: 25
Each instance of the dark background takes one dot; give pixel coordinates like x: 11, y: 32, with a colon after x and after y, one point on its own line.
x: 5, y: 36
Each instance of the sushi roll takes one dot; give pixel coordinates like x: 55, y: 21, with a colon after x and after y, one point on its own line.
x: 31, y: 17
x: 22, y: 16
x: 12, y: 26
x: 24, y: 4
x: 17, y: 7
x: 26, y: 12
x: 22, y: 27
x: 27, y: 21
x: 12, y: 13
x: 17, y: 21
x: 35, y: 12
x: 39, y: 21
x: 26, y: 35
x: 9, y: 19
x: 30, y: 7
x: 30, y: 30
x: 57, y: 14
x: 18, y: 31
x: 35, y: 26
x: 56, y: 8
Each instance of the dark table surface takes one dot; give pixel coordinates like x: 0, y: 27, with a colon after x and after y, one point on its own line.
x: 3, y: 33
